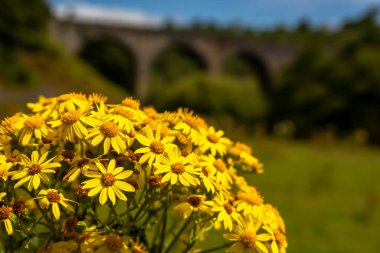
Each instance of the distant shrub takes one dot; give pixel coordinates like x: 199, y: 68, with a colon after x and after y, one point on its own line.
x: 242, y: 99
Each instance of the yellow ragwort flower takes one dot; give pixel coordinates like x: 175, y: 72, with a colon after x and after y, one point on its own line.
x: 194, y: 203
x: 4, y: 168
x: 53, y: 197
x: 177, y: 168
x: 154, y: 145
x: 213, y: 141
x: 34, y: 170
x: 108, y: 182
x: 33, y: 126
x: 247, y: 239
x: 250, y: 202
x: 110, y: 134
x: 6, y: 214
x: 71, y: 125
x: 227, y: 213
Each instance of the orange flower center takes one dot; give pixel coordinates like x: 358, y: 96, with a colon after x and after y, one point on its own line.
x: 53, y: 196
x: 212, y: 138
x: 114, y: 243
x: 194, y: 201
x: 108, y: 179
x: 5, y: 213
x: 18, y: 208
x: 82, y: 162
x: 157, y: 147
x: 64, y: 98
x: 154, y: 181
x: 70, y: 117
x: 34, y: 122
x: 220, y: 165
x: 70, y: 224
x: 178, y: 168
x: 251, y: 198
x: 122, y: 112
x: 34, y: 169
x: 205, y: 171
x: 68, y: 154
x: 248, y: 239
x: 109, y: 128
x: 229, y: 209
x: 130, y: 102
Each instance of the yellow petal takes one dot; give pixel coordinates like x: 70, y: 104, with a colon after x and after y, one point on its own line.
x: 106, y: 145
x: 56, y: 211
x: 124, y: 186
x: 111, y: 195
x: 103, y: 196
x: 8, y: 226
x: 35, y: 157
x: 119, y: 194
x: 111, y: 166
x: 124, y: 174
x: 36, y: 181
x: 94, y: 191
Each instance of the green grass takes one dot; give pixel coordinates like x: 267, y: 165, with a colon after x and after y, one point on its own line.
x: 328, y: 194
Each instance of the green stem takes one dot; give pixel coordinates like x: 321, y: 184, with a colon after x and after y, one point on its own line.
x: 161, y: 245
x: 115, y: 213
x: 175, y: 239
x: 216, y: 248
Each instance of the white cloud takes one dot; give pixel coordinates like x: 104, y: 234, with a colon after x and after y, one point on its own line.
x: 102, y: 14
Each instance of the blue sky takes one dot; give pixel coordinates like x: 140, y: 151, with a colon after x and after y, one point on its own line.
x: 255, y: 13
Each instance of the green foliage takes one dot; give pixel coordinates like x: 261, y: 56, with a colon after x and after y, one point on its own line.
x: 337, y: 88
x: 111, y: 59
x: 175, y: 62
x: 219, y: 96
x: 23, y: 23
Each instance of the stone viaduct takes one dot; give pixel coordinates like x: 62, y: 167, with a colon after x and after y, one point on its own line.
x: 145, y: 45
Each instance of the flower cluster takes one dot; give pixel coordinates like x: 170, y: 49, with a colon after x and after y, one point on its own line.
x: 80, y: 175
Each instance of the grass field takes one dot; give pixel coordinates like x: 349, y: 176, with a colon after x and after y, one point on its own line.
x: 328, y: 194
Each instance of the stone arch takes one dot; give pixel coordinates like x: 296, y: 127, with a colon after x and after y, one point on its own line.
x: 256, y: 65
x: 112, y: 58
x: 186, y: 50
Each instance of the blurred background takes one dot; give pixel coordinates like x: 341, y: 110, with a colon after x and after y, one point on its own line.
x: 297, y: 80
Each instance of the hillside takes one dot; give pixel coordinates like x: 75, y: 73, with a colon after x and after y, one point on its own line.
x: 48, y: 73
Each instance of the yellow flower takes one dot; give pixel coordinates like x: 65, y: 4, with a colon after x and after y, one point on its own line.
x: 213, y: 141
x: 110, y: 134
x: 71, y: 102
x: 6, y: 214
x: 247, y: 239
x: 123, y: 117
x: 250, y: 202
x: 33, y: 125
x: 108, y: 182
x: 71, y: 125
x: 53, y: 197
x: 222, y: 175
x: 177, y: 168
x: 194, y: 203
x: 34, y: 170
x: 80, y: 165
x: 154, y: 145
x: 4, y: 168
x: 208, y: 178
x: 190, y: 126
x: 227, y: 213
